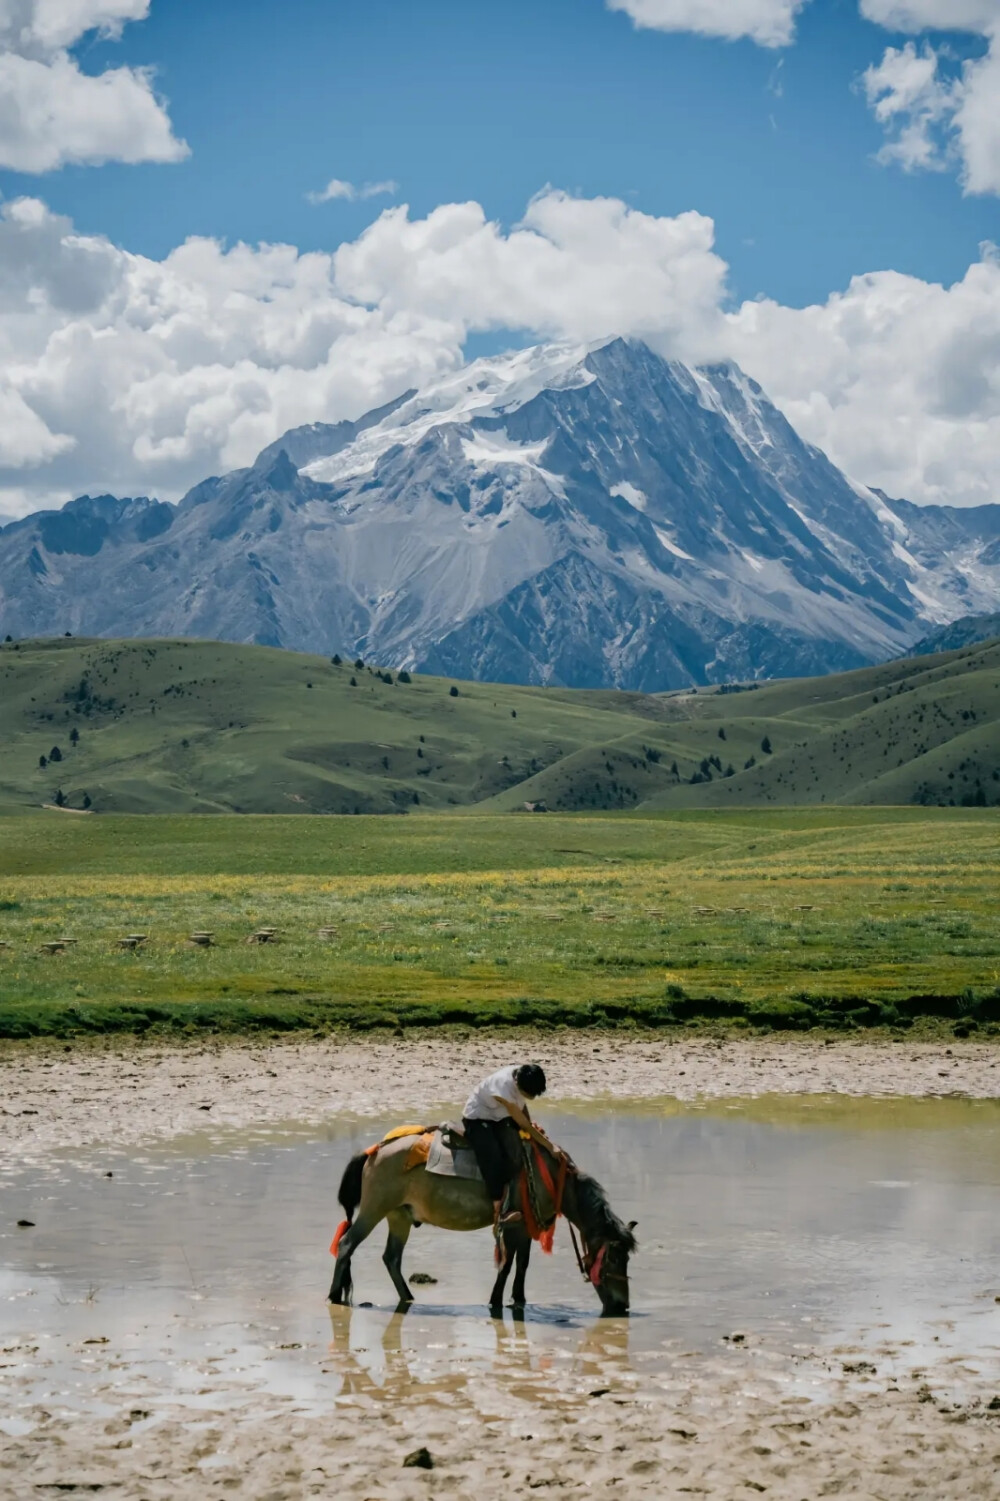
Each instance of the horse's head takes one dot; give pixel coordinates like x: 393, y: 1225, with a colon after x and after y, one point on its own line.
x: 609, y: 1272
x: 608, y: 1244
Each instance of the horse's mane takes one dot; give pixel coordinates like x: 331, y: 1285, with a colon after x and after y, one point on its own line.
x: 601, y: 1222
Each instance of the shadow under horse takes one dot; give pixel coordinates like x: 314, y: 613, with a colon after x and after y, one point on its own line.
x: 384, y: 1184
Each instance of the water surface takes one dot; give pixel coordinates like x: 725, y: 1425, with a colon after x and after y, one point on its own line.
x: 200, y: 1268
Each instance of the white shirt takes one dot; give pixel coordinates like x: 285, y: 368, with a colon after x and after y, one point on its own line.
x: 481, y: 1104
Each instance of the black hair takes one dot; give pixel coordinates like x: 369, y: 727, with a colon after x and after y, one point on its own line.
x: 530, y: 1079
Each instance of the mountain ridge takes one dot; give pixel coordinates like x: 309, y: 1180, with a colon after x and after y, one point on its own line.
x: 564, y: 515
x: 969, y: 630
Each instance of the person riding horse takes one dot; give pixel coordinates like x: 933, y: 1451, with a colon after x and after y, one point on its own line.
x: 495, y: 1114
x: 390, y: 1181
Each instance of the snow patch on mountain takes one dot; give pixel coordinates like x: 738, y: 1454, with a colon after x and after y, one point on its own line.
x: 490, y: 449
x: 486, y: 388
x: 635, y: 497
x: 668, y: 542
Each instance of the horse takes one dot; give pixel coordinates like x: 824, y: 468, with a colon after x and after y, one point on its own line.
x: 378, y: 1185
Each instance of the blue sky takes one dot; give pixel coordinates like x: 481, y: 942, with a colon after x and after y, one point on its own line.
x: 808, y: 187
x: 492, y: 102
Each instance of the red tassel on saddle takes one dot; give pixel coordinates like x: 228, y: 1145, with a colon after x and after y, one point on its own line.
x: 342, y: 1229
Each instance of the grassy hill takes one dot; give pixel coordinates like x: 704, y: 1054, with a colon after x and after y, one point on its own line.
x: 185, y: 726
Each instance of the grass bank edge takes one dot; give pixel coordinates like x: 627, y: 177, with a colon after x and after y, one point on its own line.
x: 966, y: 1015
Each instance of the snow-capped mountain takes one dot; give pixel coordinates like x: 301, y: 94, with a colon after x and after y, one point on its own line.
x: 559, y: 515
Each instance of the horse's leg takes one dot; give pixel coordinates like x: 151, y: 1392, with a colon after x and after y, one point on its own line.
x: 508, y: 1242
x: 340, y: 1288
x: 400, y: 1225
x: 523, y: 1256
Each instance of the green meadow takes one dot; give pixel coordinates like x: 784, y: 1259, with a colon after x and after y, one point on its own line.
x: 795, y: 918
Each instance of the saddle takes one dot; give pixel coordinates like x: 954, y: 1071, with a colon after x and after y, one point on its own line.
x: 450, y: 1156
x: 532, y: 1190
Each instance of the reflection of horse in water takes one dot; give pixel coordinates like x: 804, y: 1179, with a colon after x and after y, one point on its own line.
x: 601, y: 1354
x: 384, y: 1184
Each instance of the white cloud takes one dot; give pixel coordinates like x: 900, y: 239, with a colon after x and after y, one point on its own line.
x: 977, y: 121
x: 45, y: 26
x: 578, y: 268
x: 931, y: 15
x: 897, y: 379
x: 337, y: 188
x: 933, y: 119
x: 123, y: 373
x: 52, y: 113
x: 911, y: 99
x: 771, y: 23
x: 384, y: 189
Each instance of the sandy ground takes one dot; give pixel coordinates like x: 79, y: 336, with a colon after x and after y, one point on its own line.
x: 124, y: 1094
x: 716, y: 1428
x: 787, y: 1424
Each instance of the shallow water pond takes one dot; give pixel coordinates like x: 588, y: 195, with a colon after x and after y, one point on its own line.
x: 201, y: 1268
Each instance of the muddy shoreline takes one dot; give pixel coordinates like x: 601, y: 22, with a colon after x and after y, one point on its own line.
x: 108, y: 1092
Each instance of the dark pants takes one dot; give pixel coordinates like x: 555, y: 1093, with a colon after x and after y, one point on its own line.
x: 497, y: 1146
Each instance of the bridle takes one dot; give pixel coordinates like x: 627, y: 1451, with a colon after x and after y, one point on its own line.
x: 590, y: 1262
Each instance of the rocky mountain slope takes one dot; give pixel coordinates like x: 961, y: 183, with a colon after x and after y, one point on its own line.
x: 968, y: 631
x: 562, y: 516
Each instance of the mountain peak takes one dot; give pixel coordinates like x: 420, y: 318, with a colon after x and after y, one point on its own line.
x: 587, y: 515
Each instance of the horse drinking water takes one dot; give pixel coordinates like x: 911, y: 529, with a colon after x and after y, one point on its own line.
x: 393, y: 1182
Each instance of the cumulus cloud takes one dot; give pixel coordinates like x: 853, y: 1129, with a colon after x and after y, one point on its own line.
x: 931, y: 118
x: 52, y: 113
x: 913, y: 102
x: 119, y: 372
x: 896, y: 378
x: 578, y: 268
x: 977, y: 120
x: 337, y: 188
x: 770, y: 23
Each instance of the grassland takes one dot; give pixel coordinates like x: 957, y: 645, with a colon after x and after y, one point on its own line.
x: 794, y: 918
x: 185, y: 726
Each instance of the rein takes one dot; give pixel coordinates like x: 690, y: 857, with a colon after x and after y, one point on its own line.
x: 591, y: 1266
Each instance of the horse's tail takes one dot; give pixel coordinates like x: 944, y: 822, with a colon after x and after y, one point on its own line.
x: 350, y: 1184
x: 349, y: 1196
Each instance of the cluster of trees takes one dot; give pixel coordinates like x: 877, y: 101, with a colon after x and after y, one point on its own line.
x: 54, y: 758
x: 704, y: 772
x: 383, y: 674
